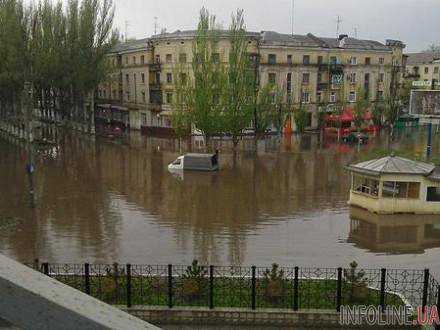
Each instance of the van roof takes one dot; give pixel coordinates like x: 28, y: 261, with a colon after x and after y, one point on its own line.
x: 200, y: 155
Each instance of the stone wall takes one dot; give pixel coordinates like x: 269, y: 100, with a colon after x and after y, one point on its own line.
x: 310, y: 319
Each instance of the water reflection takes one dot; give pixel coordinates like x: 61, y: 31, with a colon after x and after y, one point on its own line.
x: 105, y: 200
x: 394, y: 234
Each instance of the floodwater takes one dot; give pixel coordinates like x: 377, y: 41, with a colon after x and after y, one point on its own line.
x: 282, y: 201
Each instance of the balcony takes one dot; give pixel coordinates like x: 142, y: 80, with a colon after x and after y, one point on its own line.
x: 155, y: 107
x: 156, y: 66
x: 323, y: 67
x: 336, y: 68
x: 322, y: 86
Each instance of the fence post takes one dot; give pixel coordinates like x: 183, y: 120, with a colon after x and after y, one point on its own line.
x: 339, y: 291
x: 254, y: 291
x: 211, y: 287
x: 383, y: 278
x: 87, y: 278
x: 295, y: 290
x: 170, y: 286
x: 46, y: 268
x: 128, y: 266
x: 425, y: 289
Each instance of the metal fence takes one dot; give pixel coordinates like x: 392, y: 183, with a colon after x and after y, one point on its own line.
x: 294, y: 288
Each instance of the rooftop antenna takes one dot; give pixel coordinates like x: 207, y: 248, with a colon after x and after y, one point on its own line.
x: 127, y: 24
x: 292, y: 18
x: 338, y: 25
x: 155, y: 25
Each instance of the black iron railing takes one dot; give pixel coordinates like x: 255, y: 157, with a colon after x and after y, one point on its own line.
x: 294, y: 288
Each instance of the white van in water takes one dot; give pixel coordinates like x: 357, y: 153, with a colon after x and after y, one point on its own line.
x: 195, y: 162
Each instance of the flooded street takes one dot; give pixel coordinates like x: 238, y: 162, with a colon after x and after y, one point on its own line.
x: 103, y: 201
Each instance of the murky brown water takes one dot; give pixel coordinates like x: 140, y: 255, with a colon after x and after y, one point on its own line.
x: 105, y: 201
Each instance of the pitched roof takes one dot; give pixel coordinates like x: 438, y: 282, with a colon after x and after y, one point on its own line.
x: 422, y: 58
x: 189, y: 34
x: 131, y: 45
x: 310, y: 40
x: 392, y: 165
x: 435, y: 175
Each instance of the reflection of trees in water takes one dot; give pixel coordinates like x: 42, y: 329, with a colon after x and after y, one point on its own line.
x: 72, y: 205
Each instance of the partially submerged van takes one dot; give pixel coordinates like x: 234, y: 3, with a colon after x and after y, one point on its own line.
x: 195, y: 162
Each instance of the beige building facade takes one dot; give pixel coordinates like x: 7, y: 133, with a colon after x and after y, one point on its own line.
x: 320, y: 72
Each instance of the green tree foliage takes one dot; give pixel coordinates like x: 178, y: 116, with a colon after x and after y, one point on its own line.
x: 300, y: 115
x: 360, y: 108
x: 239, y: 86
x: 61, y: 50
x: 200, y: 95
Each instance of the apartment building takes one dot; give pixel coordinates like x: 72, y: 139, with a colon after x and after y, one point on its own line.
x: 320, y: 72
x: 423, y: 68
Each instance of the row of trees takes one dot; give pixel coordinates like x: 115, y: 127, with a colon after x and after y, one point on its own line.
x: 220, y: 98
x: 225, y: 98
x: 59, y: 50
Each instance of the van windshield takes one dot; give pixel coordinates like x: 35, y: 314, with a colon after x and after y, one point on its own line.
x: 177, y: 162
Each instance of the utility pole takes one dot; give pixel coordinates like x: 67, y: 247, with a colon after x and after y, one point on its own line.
x: 355, y: 30
x: 155, y: 25
x: 28, y: 107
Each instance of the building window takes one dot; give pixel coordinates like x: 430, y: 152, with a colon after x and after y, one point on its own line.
x: 182, y: 58
x: 272, y: 78
x: 426, y: 70
x: 289, y: 59
x: 320, y: 59
x: 134, y: 60
x: 318, y: 97
x: 142, y: 59
x: 352, y: 97
x: 367, y: 78
x: 333, y: 60
x: 127, y: 93
x: 169, y: 58
x: 433, y: 194
x: 305, y: 97
x: 367, y: 60
x: 381, y: 60
x: 169, y: 78
x: 169, y: 98
x: 381, y: 77
x: 306, y: 59
x: 144, y: 119
x: 352, y: 77
x: 157, y: 58
x: 436, y: 69
x: 143, y: 96
x: 289, y: 82
x: 158, y: 78
x: 393, y: 189
x: 319, y: 77
x: 216, y: 57
x: 126, y: 60
x: 183, y: 78
x: 306, y: 78
x: 333, y: 97
x: 272, y: 59
x: 365, y: 185
x: 353, y: 61
x: 380, y: 95
x: 127, y: 78
x: 143, y: 78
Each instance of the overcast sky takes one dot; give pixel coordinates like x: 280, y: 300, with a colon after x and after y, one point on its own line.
x: 416, y: 22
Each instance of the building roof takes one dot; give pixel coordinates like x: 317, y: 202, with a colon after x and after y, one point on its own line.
x: 131, y: 45
x: 310, y: 40
x: 392, y: 165
x: 435, y: 175
x: 189, y: 34
x: 266, y: 38
x: 422, y: 58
